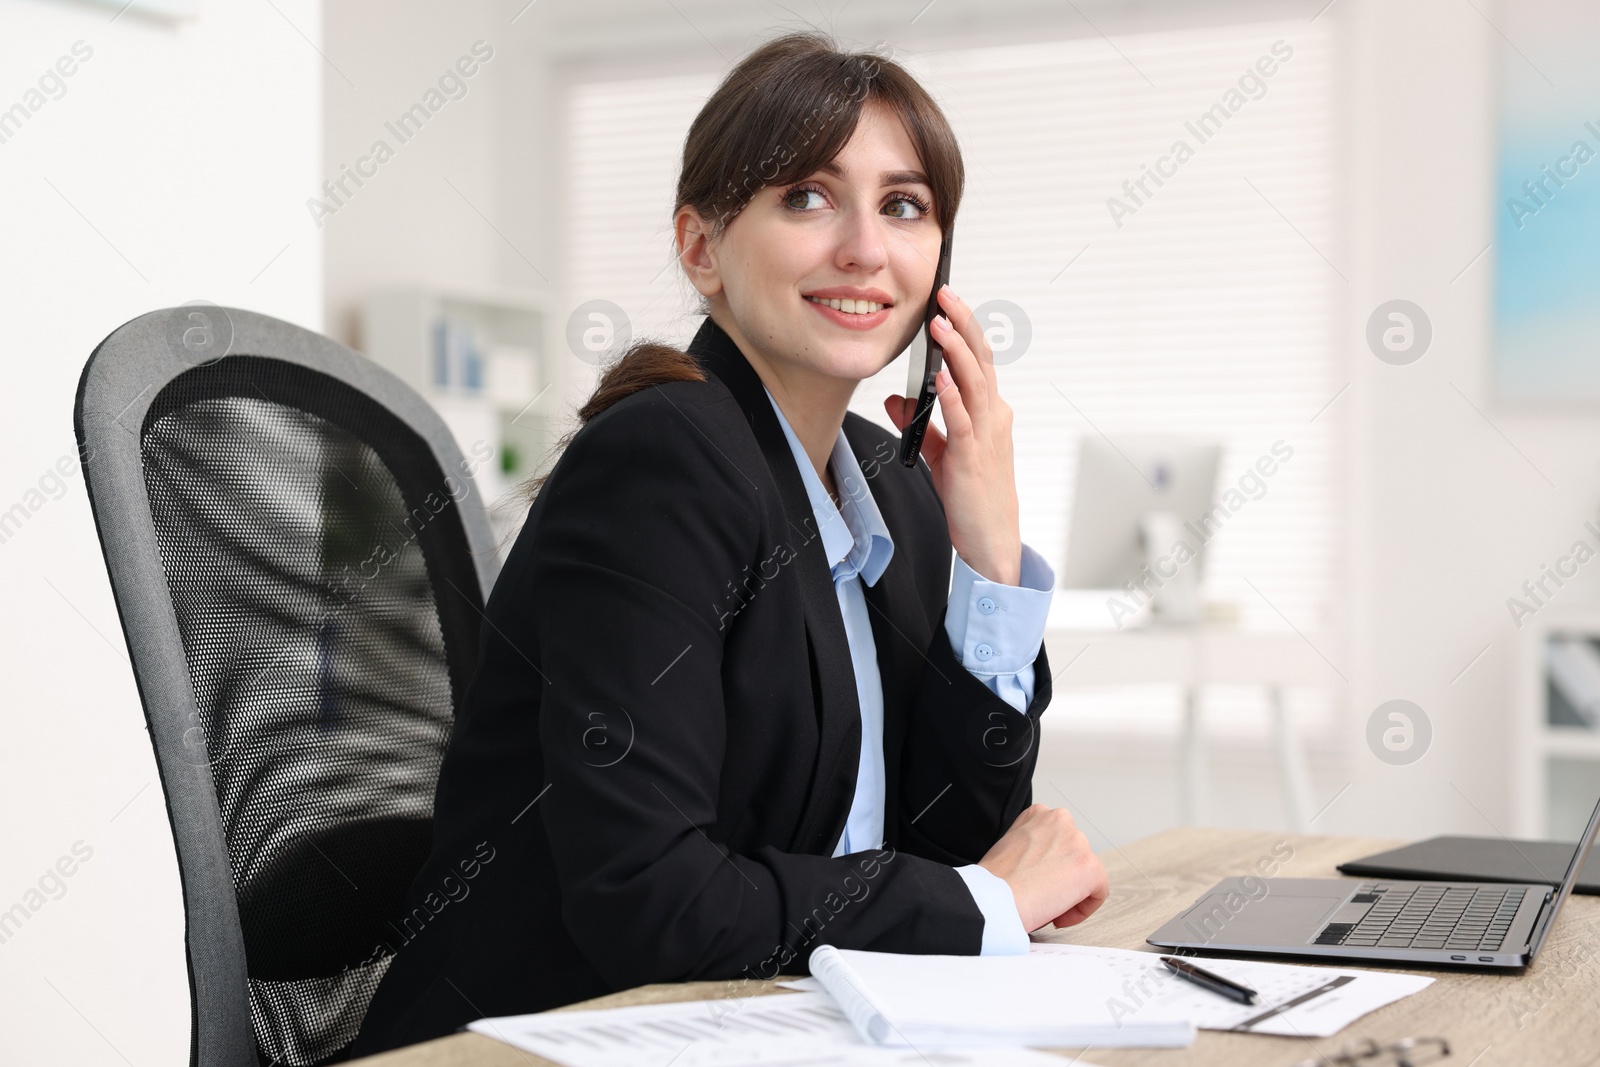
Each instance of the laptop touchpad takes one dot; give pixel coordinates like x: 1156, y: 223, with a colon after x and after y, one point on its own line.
x: 1274, y: 919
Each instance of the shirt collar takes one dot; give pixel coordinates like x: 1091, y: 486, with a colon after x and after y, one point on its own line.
x: 855, y: 538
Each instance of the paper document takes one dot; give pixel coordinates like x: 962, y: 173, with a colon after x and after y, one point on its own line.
x: 1037, y: 1000
x: 781, y: 1030
x: 1294, y: 1001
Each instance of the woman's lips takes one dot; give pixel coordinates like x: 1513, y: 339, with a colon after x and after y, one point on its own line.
x: 851, y: 321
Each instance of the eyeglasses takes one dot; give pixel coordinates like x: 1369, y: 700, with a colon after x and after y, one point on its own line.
x: 1407, y: 1052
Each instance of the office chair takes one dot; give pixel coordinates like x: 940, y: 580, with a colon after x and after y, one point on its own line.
x: 300, y: 559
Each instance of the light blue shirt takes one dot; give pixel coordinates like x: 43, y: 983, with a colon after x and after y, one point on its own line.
x: 995, y: 629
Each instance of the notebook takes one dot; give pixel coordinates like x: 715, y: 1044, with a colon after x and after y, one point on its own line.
x: 1038, y: 1000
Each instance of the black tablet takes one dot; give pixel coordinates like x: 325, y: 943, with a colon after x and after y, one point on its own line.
x: 1479, y: 859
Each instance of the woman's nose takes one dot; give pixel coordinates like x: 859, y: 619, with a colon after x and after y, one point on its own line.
x: 861, y: 242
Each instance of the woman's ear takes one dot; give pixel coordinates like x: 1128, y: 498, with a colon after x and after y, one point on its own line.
x: 695, y: 253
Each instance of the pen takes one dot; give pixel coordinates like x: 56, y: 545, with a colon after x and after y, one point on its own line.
x: 1207, y: 980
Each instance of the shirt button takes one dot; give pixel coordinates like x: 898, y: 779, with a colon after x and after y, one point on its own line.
x: 984, y: 651
x: 986, y: 605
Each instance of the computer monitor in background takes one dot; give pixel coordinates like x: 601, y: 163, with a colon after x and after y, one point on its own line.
x: 1139, y: 523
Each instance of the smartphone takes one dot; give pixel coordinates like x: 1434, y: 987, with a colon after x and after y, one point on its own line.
x: 920, y: 383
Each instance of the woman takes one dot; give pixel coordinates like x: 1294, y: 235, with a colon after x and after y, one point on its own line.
x: 729, y: 705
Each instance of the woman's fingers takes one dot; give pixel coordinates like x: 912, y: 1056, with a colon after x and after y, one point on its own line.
x: 1047, y: 862
x: 952, y: 404
x: 900, y: 409
x: 961, y: 366
x: 971, y: 331
x: 1082, y: 909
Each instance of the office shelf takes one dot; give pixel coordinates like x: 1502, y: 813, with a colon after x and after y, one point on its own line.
x: 477, y: 355
x: 1555, y: 765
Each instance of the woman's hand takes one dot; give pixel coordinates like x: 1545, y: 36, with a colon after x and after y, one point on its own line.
x: 972, y: 469
x: 1047, y: 862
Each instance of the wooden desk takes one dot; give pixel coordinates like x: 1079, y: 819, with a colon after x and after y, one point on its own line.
x: 1547, y: 1017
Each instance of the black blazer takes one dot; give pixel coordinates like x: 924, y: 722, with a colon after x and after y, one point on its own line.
x: 657, y: 756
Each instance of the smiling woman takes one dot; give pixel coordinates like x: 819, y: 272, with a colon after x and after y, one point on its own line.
x: 730, y: 669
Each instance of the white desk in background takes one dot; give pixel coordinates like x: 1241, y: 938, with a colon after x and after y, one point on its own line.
x: 1195, y: 656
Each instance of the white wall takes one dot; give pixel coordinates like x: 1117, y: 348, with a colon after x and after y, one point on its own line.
x: 431, y: 211
x: 173, y: 168
x: 1446, y: 518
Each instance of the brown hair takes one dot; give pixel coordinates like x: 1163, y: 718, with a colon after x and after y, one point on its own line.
x: 786, y: 109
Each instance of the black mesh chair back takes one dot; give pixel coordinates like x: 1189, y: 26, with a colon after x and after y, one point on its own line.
x: 300, y: 558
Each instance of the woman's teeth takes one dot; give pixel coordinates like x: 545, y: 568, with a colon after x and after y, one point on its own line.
x: 849, y: 307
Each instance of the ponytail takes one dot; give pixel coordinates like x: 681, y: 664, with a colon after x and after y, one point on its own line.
x: 645, y: 364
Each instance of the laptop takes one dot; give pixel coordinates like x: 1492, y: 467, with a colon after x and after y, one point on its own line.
x: 1490, y: 925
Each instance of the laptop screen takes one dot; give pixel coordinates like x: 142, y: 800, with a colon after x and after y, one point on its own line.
x: 1570, y: 879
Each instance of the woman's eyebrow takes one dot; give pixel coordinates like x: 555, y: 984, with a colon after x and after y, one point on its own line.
x: 888, y: 177
x: 905, y: 177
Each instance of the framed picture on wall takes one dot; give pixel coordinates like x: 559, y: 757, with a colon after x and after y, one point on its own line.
x: 1547, y: 188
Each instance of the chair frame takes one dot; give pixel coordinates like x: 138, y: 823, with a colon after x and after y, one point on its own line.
x: 123, y: 376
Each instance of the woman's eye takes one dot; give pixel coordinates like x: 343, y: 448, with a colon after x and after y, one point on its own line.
x: 800, y: 199
x: 903, y: 207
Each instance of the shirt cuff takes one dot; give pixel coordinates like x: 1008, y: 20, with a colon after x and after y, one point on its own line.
x: 1003, y: 934
x: 997, y: 629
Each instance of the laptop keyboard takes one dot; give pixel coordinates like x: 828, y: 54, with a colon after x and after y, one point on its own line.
x: 1427, y: 916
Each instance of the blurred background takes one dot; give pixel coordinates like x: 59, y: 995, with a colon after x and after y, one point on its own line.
x: 1308, y: 284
